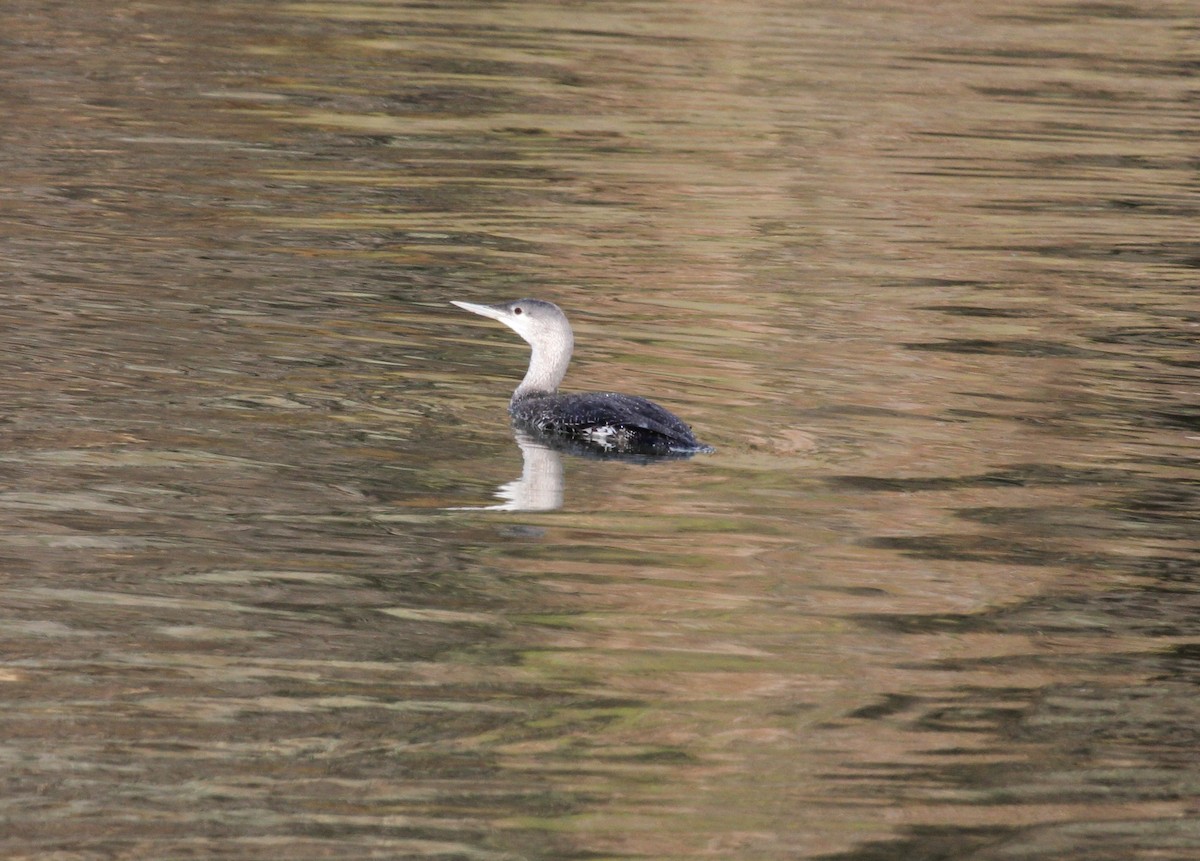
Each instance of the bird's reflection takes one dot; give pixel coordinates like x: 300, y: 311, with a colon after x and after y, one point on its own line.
x: 540, y: 486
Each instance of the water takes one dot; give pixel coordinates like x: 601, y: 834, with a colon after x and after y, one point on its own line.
x: 924, y: 276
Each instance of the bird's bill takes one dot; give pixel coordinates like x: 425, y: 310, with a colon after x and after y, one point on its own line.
x: 491, y: 311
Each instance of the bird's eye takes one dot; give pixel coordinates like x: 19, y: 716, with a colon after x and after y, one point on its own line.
x: 516, y: 310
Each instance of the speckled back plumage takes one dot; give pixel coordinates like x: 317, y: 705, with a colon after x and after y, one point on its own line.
x: 610, y: 420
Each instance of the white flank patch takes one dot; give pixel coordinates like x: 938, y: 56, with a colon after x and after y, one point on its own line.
x: 602, y: 435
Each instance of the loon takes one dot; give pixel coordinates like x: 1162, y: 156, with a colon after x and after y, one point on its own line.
x: 609, y: 421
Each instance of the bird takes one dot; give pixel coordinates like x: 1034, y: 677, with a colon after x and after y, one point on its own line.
x: 607, y: 421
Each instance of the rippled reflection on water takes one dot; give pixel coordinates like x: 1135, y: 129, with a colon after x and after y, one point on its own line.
x: 924, y: 276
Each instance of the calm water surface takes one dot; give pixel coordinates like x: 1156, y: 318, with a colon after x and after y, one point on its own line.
x: 924, y: 274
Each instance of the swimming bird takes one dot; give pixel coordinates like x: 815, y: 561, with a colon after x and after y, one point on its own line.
x: 610, y: 421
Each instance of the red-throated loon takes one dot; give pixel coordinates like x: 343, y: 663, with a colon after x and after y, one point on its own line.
x: 610, y: 421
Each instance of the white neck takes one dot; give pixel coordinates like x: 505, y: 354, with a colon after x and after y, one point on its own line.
x: 547, y: 366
